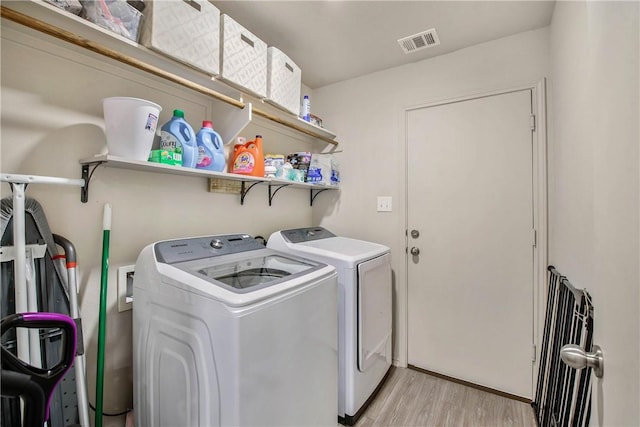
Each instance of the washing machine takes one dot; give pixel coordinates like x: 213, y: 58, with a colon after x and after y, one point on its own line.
x: 364, y: 310
x: 230, y: 333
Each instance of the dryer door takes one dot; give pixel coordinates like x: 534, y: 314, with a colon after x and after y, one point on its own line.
x: 374, y: 310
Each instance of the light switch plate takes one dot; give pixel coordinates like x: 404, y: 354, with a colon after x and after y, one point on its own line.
x: 384, y: 204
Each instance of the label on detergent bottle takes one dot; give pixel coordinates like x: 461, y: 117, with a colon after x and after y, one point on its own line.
x: 152, y: 122
x: 244, y: 163
x: 203, y: 159
x: 169, y: 142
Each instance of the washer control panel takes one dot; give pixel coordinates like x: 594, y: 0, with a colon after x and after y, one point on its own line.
x: 181, y: 250
x: 299, y: 235
x: 216, y: 244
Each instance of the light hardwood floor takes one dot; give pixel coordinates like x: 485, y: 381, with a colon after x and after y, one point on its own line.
x: 412, y: 398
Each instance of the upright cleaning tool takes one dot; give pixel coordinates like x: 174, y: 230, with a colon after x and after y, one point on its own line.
x: 33, y: 384
x: 80, y: 362
x: 102, y: 324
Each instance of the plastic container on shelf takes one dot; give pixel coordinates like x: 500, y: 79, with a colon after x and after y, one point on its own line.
x: 248, y: 158
x: 210, y: 149
x: 305, y: 110
x: 276, y: 161
x: 323, y: 170
x: 71, y: 6
x: 178, y: 137
x: 130, y: 125
x: 114, y: 15
x: 300, y: 162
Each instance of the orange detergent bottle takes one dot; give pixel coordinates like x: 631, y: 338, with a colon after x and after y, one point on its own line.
x: 248, y: 158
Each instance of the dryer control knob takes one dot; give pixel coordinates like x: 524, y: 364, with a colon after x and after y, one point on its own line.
x: 216, y: 244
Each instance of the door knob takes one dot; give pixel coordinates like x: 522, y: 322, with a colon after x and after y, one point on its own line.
x: 415, y: 251
x: 575, y: 357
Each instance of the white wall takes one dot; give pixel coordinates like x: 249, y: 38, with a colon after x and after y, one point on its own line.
x: 593, y: 164
x: 367, y: 113
x: 594, y: 184
x: 52, y: 118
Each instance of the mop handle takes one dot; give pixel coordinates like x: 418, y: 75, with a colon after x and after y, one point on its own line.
x: 102, y: 325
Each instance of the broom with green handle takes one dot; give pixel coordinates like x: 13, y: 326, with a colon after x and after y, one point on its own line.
x: 102, y: 324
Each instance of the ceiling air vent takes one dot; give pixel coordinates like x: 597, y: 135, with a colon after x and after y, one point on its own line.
x: 419, y: 41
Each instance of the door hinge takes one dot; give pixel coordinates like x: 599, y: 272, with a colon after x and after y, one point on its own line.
x: 535, y: 238
x: 533, y: 355
x: 533, y: 122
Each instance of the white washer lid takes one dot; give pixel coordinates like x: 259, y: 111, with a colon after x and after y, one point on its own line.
x: 344, y: 250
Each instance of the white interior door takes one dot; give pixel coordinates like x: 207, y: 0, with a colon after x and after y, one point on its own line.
x: 470, y: 199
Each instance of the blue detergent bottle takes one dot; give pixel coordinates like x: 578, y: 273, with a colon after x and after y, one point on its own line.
x: 178, y: 137
x: 210, y: 150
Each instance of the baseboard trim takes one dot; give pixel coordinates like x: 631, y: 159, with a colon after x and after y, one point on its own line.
x: 472, y: 385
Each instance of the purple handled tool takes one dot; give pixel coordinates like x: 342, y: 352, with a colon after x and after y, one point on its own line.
x: 36, y: 385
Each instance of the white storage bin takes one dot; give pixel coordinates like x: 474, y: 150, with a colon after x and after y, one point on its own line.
x: 244, y: 58
x: 188, y: 31
x: 284, y: 78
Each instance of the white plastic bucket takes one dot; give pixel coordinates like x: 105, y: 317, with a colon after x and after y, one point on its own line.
x: 130, y: 125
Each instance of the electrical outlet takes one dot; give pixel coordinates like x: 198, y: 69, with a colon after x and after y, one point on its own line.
x: 384, y: 204
x: 125, y: 287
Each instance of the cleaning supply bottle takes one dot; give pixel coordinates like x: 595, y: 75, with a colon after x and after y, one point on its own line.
x: 178, y: 137
x: 305, y: 110
x: 210, y: 150
x: 248, y: 158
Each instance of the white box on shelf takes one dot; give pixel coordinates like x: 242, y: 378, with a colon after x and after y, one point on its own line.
x: 188, y: 31
x: 284, y: 79
x: 244, y: 58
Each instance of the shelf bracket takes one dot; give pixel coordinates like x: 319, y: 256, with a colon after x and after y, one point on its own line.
x: 87, y: 173
x: 244, y: 190
x: 314, y: 193
x: 272, y: 194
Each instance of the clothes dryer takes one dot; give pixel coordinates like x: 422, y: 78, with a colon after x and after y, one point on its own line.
x: 229, y: 333
x: 364, y: 310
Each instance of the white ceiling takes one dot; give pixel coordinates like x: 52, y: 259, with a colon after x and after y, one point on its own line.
x: 333, y: 41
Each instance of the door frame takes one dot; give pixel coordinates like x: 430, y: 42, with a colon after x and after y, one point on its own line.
x: 540, y: 202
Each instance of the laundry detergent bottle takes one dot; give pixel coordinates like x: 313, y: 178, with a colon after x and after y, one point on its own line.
x: 178, y: 137
x: 210, y: 150
x: 248, y: 158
